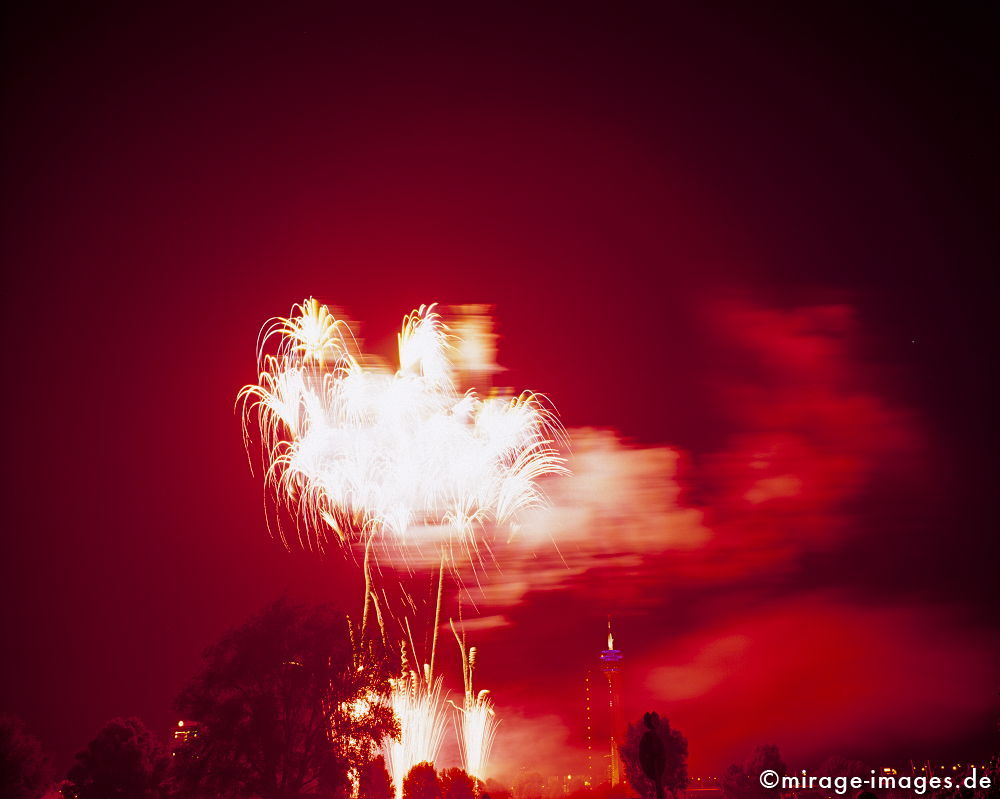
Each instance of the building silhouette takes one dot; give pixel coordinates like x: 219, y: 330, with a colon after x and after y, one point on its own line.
x: 184, y: 732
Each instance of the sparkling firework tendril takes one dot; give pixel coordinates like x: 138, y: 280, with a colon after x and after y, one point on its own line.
x: 476, y: 722
x: 354, y: 448
x: 416, y: 700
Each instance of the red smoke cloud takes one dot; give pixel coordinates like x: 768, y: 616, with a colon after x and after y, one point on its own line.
x: 808, y: 436
x: 821, y: 676
x: 764, y: 635
x: 811, y: 433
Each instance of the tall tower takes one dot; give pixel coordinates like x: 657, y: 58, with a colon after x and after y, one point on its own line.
x: 589, y: 778
x: 611, y: 659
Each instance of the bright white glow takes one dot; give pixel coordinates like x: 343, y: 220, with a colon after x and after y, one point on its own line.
x: 477, y: 727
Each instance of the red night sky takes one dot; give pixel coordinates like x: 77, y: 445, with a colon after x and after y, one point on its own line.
x: 745, y: 254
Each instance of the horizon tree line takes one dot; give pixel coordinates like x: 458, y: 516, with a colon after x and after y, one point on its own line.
x: 275, y: 721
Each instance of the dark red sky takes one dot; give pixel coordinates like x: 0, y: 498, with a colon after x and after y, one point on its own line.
x: 718, y: 233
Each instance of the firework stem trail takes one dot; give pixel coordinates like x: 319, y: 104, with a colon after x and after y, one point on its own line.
x: 437, y: 610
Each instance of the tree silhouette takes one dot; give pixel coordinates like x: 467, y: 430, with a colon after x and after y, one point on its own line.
x: 422, y: 783
x: 282, y: 708
x: 655, y: 757
x: 24, y: 770
x: 124, y: 760
x: 836, y: 766
x: 743, y: 782
x: 605, y: 790
x: 496, y: 790
x: 374, y: 781
x: 459, y: 784
x: 530, y: 785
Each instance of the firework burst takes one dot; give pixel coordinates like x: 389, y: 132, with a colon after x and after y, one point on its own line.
x: 354, y: 448
x: 374, y: 455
